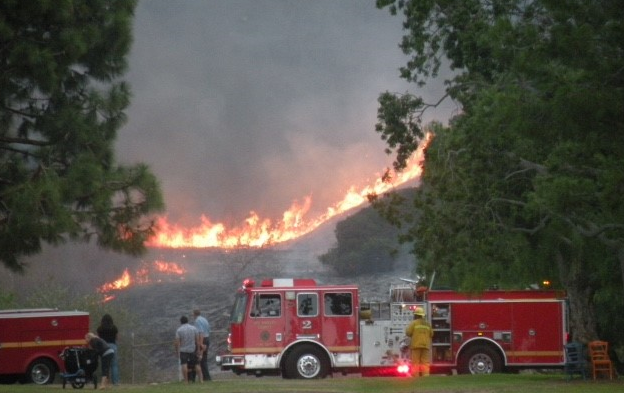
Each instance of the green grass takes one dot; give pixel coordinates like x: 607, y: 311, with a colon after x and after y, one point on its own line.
x: 522, y: 383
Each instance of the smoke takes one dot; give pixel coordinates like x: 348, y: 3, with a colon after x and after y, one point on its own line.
x: 251, y: 105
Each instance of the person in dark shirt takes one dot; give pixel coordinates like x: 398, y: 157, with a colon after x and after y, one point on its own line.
x: 104, y: 352
x: 108, y: 332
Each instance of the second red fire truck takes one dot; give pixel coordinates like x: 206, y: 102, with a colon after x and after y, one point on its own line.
x: 298, y: 329
x: 31, y: 341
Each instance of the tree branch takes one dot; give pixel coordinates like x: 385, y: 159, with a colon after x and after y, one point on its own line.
x: 24, y: 141
x: 526, y: 167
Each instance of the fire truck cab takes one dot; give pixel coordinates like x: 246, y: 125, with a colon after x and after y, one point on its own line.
x: 293, y: 327
x: 32, y: 339
x: 298, y: 329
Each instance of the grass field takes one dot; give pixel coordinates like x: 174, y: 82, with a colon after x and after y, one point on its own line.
x: 519, y: 383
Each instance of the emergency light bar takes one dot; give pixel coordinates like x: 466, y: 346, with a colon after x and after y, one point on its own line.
x: 280, y: 283
x: 288, y: 282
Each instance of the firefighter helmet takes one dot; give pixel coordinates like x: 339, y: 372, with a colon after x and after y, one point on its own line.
x: 419, y: 311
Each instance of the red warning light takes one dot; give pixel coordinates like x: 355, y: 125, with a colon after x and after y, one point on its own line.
x: 403, y: 369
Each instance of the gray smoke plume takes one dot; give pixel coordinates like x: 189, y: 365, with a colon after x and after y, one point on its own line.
x: 251, y: 105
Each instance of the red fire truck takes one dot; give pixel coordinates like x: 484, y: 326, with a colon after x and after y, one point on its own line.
x: 32, y: 339
x: 298, y: 329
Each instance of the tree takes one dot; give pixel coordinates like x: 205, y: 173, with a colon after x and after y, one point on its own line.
x: 366, y: 244
x: 526, y: 182
x: 61, y: 104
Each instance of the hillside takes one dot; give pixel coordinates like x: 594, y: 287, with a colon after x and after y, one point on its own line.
x: 210, y: 284
x: 209, y: 281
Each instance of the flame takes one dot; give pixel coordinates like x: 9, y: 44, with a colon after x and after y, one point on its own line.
x: 144, y: 274
x: 169, y: 267
x: 258, y: 232
x: 122, y: 282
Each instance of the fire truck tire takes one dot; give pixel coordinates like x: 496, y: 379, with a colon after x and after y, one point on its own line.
x: 480, y: 359
x: 41, y: 372
x: 306, y: 362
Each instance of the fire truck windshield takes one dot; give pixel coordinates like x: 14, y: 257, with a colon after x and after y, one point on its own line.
x: 238, y: 309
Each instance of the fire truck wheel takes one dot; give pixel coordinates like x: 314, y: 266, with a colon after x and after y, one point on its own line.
x: 306, y: 362
x: 480, y: 359
x: 41, y: 372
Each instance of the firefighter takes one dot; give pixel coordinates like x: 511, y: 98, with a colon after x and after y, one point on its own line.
x: 420, y: 333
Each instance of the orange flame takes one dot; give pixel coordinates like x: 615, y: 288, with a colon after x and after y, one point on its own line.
x: 108, y: 298
x: 169, y: 267
x: 258, y: 232
x: 122, y: 282
x: 142, y: 275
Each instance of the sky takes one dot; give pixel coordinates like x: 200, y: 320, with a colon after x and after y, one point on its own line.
x: 245, y: 105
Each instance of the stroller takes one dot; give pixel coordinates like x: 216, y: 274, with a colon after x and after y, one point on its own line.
x: 80, y: 366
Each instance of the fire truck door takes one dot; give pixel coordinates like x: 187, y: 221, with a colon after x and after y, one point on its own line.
x: 340, y: 322
x: 307, y: 324
x: 266, y: 332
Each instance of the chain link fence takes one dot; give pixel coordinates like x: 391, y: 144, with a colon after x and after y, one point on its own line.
x: 145, y: 361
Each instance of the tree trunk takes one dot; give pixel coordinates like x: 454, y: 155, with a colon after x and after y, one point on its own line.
x: 621, y: 258
x: 582, y: 314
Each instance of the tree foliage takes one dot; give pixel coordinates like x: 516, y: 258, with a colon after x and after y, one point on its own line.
x: 61, y: 104
x: 366, y: 243
x: 526, y: 182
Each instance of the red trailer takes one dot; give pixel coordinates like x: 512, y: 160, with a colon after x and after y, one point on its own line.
x: 32, y: 339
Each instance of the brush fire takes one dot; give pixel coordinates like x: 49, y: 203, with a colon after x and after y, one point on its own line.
x: 257, y: 232
x: 146, y: 273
